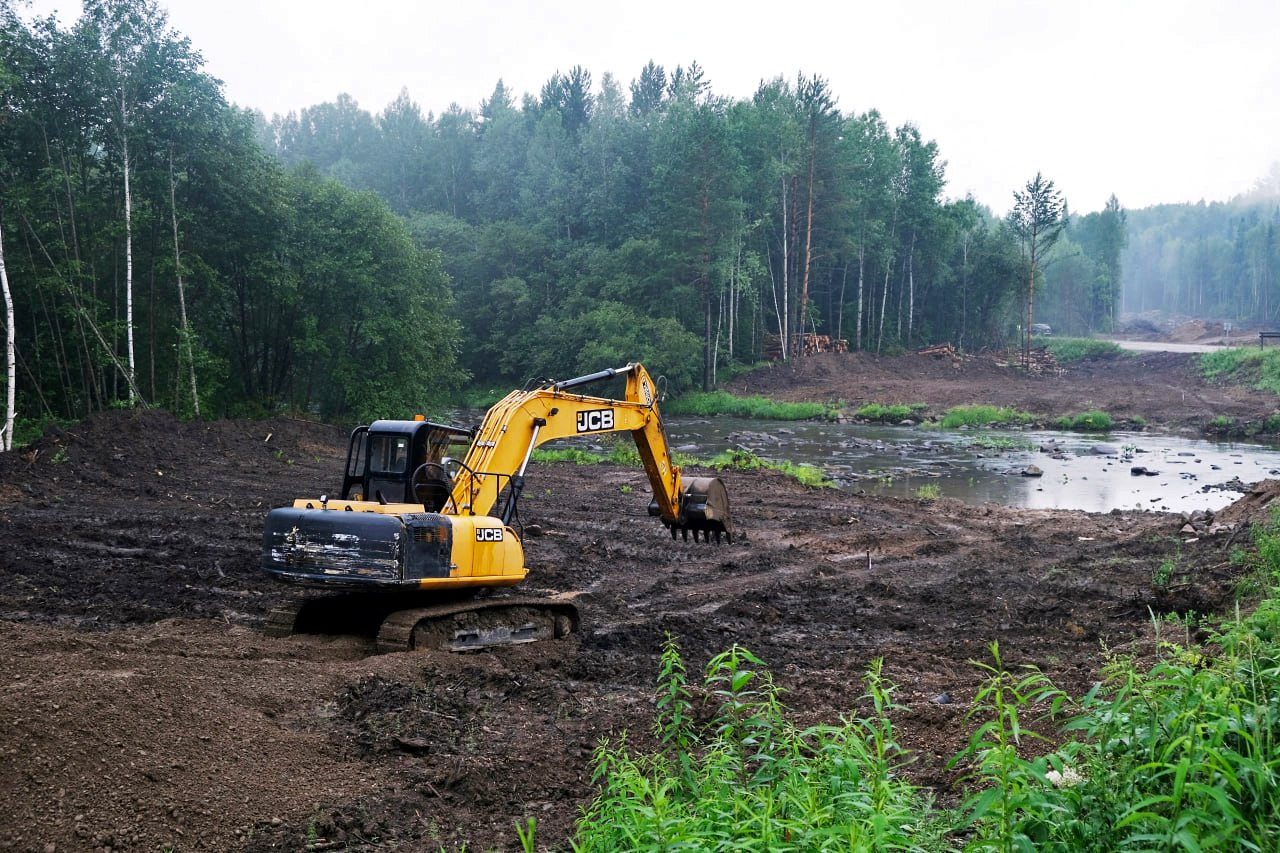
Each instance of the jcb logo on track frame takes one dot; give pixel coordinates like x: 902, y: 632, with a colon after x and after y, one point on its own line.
x: 595, y: 420
x: 488, y: 534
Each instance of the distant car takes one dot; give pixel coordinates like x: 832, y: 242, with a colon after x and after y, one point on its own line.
x: 1042, y: 329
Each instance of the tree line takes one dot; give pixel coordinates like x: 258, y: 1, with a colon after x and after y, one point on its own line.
x: 1217, y: 260
x: 164, y: 247
x: 157, y: 254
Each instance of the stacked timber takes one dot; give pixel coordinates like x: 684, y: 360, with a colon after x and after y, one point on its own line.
x: 1041, y: 361
x: 808, y: 344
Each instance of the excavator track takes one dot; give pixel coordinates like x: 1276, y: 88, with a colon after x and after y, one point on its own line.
x: 474, y: 624
x: 282, y: 620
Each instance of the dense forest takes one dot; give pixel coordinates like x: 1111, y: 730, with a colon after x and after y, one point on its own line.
x: 1218, y: 260
x: 163, y: 247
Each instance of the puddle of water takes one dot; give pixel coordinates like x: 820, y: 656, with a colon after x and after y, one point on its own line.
x: 900, y: 460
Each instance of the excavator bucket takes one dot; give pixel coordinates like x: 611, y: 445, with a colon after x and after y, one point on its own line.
x: 704, y: 509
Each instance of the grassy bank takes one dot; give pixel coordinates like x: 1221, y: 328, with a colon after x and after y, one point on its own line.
x: 980, y: 416
x: 711, y: 403
x: 1067, y: 350
x: 1254, y: 368
x: 1182, y: 753
x: 892, y: 413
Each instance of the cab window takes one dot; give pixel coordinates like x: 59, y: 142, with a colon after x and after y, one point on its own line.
x: 388, y: 454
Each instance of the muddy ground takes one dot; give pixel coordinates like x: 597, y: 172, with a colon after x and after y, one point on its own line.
x: 144, y: 708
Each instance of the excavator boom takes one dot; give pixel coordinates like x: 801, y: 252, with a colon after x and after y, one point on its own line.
x: 524, y: 420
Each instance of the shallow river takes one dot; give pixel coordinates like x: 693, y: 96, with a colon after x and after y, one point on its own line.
x: 1183, y: 474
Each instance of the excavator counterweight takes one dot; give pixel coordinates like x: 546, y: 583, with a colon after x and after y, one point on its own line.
x: 417, y: 530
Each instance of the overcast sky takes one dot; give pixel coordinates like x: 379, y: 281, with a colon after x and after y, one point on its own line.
x: 1168, y: 101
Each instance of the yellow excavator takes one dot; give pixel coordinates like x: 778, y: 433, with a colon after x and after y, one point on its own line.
x: 417, y: 532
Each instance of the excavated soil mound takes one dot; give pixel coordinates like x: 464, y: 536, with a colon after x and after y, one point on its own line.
x: 144, y: 708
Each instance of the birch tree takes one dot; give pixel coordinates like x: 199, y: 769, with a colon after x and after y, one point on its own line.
x: 141, y: 55
x: 10, y: 353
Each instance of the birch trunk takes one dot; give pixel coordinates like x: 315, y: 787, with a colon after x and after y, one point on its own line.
x: 11, y: 360
x: 182, y: 295
x: 911, y: 287
x: 128, y: 250
x: 786, y: 291
x: 862, y: 257
x: 884, y: 301
x: 844, y: 280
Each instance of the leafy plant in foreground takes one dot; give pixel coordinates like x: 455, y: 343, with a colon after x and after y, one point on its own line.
x: 751, y: 780
x: 1011, y: 809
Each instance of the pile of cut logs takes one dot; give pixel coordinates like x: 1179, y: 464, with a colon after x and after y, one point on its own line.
x: 941, y: 351
x: 809, y: 344
x: 1041, y: 360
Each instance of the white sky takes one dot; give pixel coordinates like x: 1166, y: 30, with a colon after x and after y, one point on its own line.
x: 1160, y: 101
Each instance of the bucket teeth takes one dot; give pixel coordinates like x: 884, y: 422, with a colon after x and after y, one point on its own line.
x: 704, y: 510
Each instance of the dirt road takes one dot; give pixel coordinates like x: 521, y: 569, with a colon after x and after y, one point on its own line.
x: 143, y: 707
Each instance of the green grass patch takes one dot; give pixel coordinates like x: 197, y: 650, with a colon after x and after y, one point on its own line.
x: 1095, y: 421
x: 575, y: 455
x: 890, y: 413
x: 1001, y: 442
x: 959, y: 416
x: 625, y: 453
x: 929, y: 492
x: 1077, y: 349
x: 745, y: 460
x: 619, y: 453
x: 710, y: 403
x: 1254, y: 368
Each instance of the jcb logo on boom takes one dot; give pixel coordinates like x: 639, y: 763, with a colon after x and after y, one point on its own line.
x: 488, y: 534
x: 594, y: 420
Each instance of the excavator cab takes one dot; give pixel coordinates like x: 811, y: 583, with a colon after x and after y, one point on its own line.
x: 392, y: 461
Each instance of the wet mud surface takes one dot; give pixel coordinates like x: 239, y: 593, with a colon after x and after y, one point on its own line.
x: 144, y: 707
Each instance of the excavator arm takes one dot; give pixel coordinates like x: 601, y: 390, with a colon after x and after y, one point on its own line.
x: 523, y: 420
